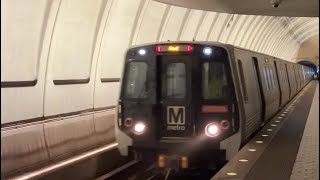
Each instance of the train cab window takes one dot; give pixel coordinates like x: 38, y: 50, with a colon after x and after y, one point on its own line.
x: 214, y: 80
x: 175, y: 79
x: 136, y: 80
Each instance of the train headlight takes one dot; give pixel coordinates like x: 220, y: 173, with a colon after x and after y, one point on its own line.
x: 212, y: 130
x: 207, y: 51
x: 142, y: 52
x: 139, y: 128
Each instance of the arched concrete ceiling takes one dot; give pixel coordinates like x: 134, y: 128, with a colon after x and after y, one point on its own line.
x: 309, y: 51
x: 292, y: 8
x: 49, y: 41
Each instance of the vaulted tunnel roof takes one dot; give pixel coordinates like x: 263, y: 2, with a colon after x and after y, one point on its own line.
x: 54, y: 40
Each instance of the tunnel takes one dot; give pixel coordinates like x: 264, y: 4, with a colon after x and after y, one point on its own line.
x: 63, y: 64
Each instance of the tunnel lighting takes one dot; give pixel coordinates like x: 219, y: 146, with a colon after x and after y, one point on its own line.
x: 207, y: 51
x: 51, y: 168
x: 139, y: 128
x: 212, y: 130
x: 142, y: 52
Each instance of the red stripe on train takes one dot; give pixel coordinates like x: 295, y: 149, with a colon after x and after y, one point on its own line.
x: 214, y: 109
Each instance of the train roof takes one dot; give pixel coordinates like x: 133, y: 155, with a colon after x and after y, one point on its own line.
x: 227, y: 46
x: 186, y: 42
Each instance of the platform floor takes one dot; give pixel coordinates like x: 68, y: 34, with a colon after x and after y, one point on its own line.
x: 286, y: 148
x: 306, y: 165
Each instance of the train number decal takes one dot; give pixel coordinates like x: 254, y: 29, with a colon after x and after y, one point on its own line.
x: 176, y: 118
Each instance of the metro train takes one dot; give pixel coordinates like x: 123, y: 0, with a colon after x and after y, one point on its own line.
x: 195, y: 104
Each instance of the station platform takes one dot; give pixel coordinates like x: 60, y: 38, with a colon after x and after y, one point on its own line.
x: 286, y: 148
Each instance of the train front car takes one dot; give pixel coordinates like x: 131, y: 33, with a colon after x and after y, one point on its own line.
x: 178, y: 105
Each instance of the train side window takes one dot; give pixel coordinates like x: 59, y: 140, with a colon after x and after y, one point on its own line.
x: 272, y: 77
x: 284, y: 75
x: 243, y: 81
x: 269, y: 82
x: 214, y: 81
x: 280, y: 73
x: 266, y: 77
x: 269, y: 77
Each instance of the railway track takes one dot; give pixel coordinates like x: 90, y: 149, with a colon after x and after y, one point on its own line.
x: 137, y: 170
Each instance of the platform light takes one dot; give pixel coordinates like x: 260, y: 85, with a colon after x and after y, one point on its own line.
x: 252, y: 150
x: 207, y: 51
x: 139, y: 128
x: 212, y: 130
x: 232, y: 174
x: 142, y: 52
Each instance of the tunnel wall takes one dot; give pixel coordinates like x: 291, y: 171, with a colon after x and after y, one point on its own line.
x: 61, y: 64
x: 25, y: 148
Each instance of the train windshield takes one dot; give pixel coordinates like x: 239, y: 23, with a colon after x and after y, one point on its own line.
x: 214, y: 80
x: 175, y: 78
x: 136, y: 80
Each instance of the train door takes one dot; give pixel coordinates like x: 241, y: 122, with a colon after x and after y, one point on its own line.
x: 277, y: 69
x: 268, y: 85
x: 284, y: 83
x: 175, y: 101
x: 288, y: 79
x: 295, y: 79
x: 252, y: 101
x: 257, y: 70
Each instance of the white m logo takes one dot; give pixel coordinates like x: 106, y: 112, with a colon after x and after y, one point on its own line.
x: 176, y: 115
